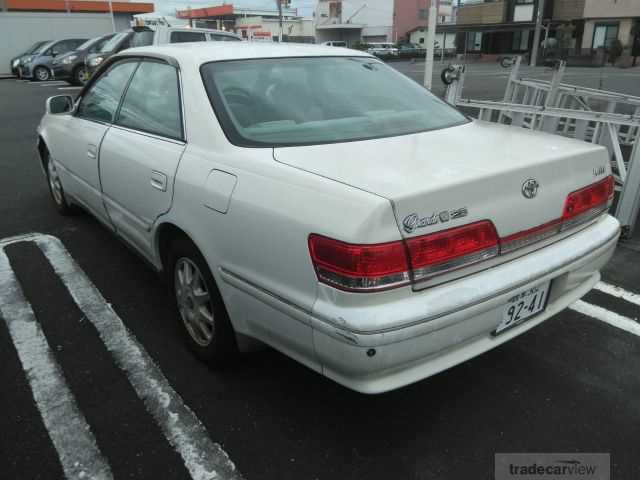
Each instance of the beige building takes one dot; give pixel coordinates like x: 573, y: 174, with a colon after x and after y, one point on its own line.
x: 606, y: 20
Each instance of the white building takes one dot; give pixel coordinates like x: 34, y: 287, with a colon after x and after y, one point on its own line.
x: 354, y: 21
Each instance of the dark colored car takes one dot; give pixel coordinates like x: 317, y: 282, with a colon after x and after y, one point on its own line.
x: 38, y: 65
x: 15, y: 61
x: 116, y: 43
x: 71, y: 67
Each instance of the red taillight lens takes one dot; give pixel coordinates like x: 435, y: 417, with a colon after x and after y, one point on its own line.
x: 359, y: 267
x: 386, y: 265
x: 451, y: 249
x: 588, y: 202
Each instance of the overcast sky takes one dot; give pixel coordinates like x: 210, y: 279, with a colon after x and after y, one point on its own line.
x: 168, y: 7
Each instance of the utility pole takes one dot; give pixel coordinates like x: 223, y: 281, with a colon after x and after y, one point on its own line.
x: 280, y: 20
x: 536, y: 36
x: 113, y: 20
x: 431, y: 43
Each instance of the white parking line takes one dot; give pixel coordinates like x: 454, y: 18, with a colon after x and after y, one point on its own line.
x: 52, y: 83
x: 68, y: 429
x: 203, y: 459
x: 69, y: 88
x: 618, y: 292
x: 612, y: 318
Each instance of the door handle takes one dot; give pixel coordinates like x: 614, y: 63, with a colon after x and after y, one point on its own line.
x: 159, y: 181
x: 92, y: 151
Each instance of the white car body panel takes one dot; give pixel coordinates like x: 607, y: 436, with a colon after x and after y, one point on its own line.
x: 271, y: 200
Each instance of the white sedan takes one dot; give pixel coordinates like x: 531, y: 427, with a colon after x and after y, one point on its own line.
x: 318, y: 201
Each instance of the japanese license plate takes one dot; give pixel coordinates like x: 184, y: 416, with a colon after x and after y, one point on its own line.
x: 523, y: 306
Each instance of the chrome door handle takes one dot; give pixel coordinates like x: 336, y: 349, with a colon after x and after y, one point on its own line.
x: 159, y: 181
x: 92, y: 151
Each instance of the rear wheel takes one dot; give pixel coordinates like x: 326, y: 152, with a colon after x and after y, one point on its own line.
x: 208, y: 330
x: 41, y: 74
x: 56, y: 190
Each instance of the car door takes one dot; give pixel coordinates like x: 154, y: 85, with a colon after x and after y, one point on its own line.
x: 75, y: 139
x: 140, y: 153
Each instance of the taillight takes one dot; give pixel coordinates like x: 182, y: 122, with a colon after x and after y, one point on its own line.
x: 366, y: 268
x: 447, y: 250
x: 587, y: 203
x: 359, y: 267
x: 382, y: 266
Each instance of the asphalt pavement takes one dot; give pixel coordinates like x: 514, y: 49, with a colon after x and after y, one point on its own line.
x: 92, y: 364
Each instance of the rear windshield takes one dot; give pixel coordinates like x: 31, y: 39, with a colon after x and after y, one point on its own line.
x: 315, y: 100
x: 113, y: 43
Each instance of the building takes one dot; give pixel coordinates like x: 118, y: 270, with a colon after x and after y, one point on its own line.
x: 411, y: 16
x: 354, y: 21
x: 251, y: 23
x: 570, y: 27
x: 24, y: 22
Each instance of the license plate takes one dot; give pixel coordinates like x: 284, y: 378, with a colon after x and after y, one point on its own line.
x: 523, y: 306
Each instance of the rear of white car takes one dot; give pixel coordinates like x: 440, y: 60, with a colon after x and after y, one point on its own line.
x: 475, y: 232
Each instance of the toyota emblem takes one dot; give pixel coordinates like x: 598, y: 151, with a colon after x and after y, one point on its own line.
x: 530, y: 188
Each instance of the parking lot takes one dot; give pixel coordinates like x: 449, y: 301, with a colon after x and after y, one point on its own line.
x: 92, y: 362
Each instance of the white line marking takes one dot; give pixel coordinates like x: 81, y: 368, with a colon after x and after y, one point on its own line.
x: 204, y: 459
x: 67, y: 427
x: 52, y: 83
x: 618, y: 292
x: 612, y: 318
x: 69, y: 88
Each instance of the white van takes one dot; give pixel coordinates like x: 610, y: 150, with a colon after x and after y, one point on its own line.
x: 382, y: 49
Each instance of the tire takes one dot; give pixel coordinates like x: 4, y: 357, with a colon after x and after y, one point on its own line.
x: 41, y: 74
x: 56, y: 190
x: 445, y: 76
x: 199, y: 307
x: 80, y: 75
x: 506, y: 62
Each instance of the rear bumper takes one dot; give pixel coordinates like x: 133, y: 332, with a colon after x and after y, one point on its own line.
x: 453, y: 322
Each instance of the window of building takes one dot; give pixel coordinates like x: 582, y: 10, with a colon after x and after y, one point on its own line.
x: 474, y: 41
x: 520, y: 41
x: 604, y: 34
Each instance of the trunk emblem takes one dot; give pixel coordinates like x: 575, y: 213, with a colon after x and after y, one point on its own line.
x: 413, y: 222
x: 530, y: 188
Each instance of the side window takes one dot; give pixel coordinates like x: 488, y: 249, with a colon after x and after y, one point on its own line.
x: 101, y: 101
x: 224, y: 38
x: 152, y: 101
x: 181, y: 37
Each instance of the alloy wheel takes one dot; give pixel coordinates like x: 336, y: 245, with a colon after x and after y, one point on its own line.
x: 194, y: 301
x: 54, y: 183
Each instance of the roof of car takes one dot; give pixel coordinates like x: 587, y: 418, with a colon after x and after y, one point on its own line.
x: 202, y: 52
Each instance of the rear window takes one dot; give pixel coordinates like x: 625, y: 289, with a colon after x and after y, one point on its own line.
x: 224, y: 38
x: 315, y: 100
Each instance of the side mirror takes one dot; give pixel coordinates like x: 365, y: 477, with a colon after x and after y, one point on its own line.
x: 59, y: 104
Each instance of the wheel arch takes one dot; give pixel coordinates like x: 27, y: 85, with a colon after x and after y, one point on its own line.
x: 166, y: 233
x: 43, y: 151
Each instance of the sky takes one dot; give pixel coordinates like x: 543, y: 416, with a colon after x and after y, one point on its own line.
x: 168, y: 7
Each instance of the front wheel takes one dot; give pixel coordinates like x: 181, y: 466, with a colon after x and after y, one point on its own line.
x: 56, y: 190
x: 41, y: 74
x: 80, y: 75
x: 208, y: 330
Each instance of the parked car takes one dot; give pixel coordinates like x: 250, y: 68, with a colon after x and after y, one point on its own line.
x: 71, y: 67
x: 156, y: 35
x: 39, y: 65
x: 382, y: 49
x: 371, y: 231
x: 411, y: 50
x: 15, y: 61
x: 335, y: 43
